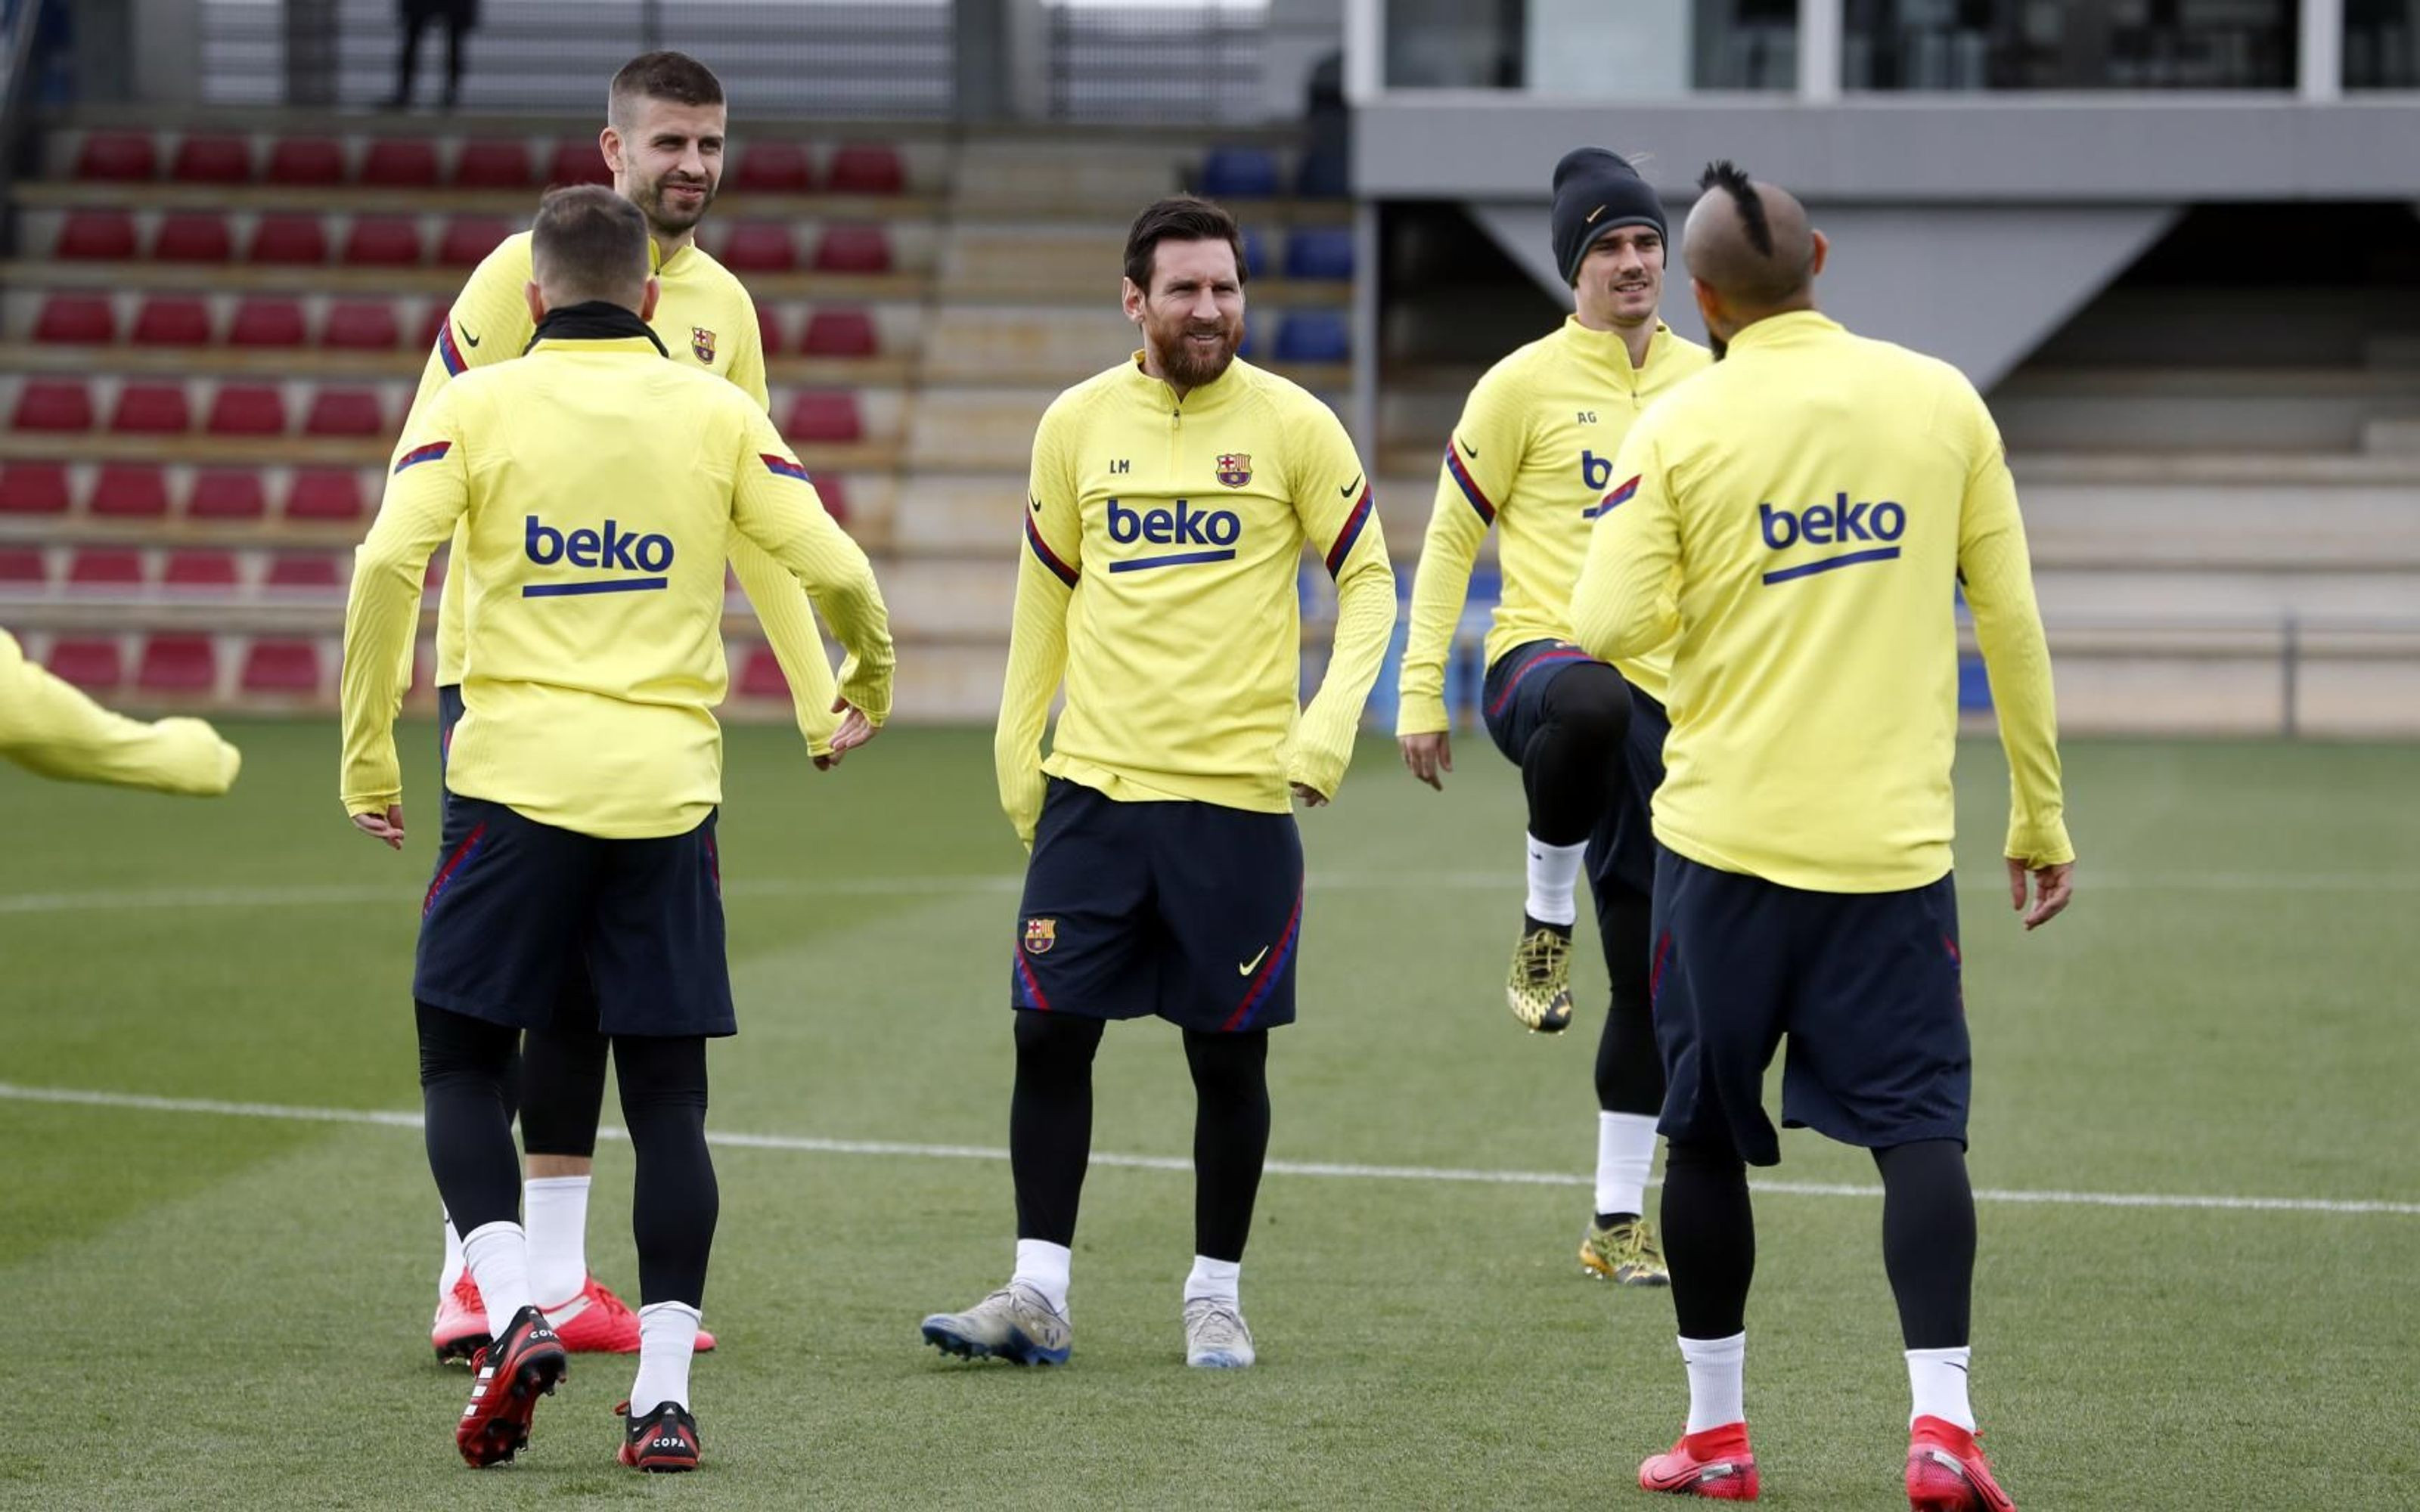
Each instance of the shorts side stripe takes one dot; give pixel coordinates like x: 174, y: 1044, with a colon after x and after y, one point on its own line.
x: 454, y: 863
x: 1272, y: 970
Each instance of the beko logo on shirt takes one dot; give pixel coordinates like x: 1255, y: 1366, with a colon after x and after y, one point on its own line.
x: 611, y: 548
x: 1215, y: 532
x: 1834, y: 524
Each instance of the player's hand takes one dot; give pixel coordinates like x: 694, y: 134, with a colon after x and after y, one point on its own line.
x: 1428, y: 755
x: 1311, y: 797
x: 854, y: 729
x: 2053, y: 887
x: 387, y: 826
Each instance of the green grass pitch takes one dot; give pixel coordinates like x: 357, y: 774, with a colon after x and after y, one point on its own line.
x: 202, y: 1309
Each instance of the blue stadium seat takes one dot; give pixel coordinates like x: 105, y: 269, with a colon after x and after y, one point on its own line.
x: 1324, y: 174
x: 1320, y: 253
x: 1239, y: 172
x: 1315, y: 336
x: 1973, y: 686
x: 1256, y: 254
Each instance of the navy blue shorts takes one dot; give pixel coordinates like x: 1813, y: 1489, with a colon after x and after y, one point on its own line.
x: 1866, y: 985
x: 1621, y: 851
x: 535, y: 927
x: 1190, y: 911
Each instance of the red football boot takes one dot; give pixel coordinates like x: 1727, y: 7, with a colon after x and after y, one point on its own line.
x: 507, y: 1379
x: 1715, y: 1464
x: 596, y: 1321
x: 1947, y: 1470
x: 663, y: 1441
x: 461, y: 1327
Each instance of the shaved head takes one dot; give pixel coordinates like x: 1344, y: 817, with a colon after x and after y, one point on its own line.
x: 1750, y: 251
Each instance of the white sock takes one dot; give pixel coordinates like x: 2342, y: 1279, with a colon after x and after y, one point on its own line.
x: 1936, y: 1379
x: 667, y: 1338
x: 1554, y: 871
x: 1625, y: 1148
x: 556, y: 1209
x: 455, y: 1264
x: 1717, y: 1390
x: 498, y: 1255
x: 1214, y: 1279
x: 1043, y: 1266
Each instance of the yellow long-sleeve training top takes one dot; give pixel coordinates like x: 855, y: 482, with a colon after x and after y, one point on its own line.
x: 50, y: 729
x: 1162, y: 543
x: 706, y: 319
x: 1804, y: 515
x: 1532, y: 456
x: 597, y: 488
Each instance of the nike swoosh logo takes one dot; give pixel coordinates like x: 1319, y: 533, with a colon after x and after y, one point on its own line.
x: 470, y: 338
x: 1347, y: 489
x: 1246, y: 969
x: 1592, y: 215
x: 1035, y: 503
x: 1468, y: 450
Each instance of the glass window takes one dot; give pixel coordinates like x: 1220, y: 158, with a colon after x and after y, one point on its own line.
x: 2055, y: 44
x: 1593, y: 49
x: 2382, y: 45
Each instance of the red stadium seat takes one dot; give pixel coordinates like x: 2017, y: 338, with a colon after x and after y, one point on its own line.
x: 227, y: 494
x: 201, y: 572
x: 247, y: 409
x: 288, y: 242
x: 580, y: 161
x: 840, y: 334
x: 282, y: 667
x: 21, y: 566
x: 775, y: 168
x: 324, y: 493
x: 178, y: 664
x: 130, y: 490
x: 34, y: 488
x: 853, y: 249
x: 212, y: 160
x: 76, y: 320
x: 96, y: 236
x: 866, y: 168
x: 345, y: 412
x: 312, y: 572
x: 151, y: 409
x: 169, y: 320
x: 366, y: 325
x: 768, y: 328
x: 192, y: 236
x: 763, y: 677
x: 307, y: 161
x: 433, y: 576
x: 53, y: 405
x: 90, y: 664
x: 469, y: 240
x: 493, y: 166
x: 438, y: 313
x: 110, y: 567
x: 835, y: 495
x: 824, y: 415
x: 382, y: 241
x: 760, y: 247
x: 400, y: 162
x: 118, y: 157
x: 268, y: 321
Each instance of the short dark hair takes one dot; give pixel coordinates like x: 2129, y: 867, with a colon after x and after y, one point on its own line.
x: 1178, y: 218
x: 589, y: 243
x: 675, y: 77
x: 1733, y: 180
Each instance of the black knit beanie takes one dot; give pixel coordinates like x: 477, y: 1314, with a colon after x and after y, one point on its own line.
x: 1596, y: 189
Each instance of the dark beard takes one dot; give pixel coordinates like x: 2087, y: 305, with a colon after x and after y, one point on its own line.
x: 660, y: 221
x: 1187, y: 371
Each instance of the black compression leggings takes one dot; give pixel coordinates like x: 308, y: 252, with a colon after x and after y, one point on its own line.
x: 1573, y: 765
x: 1051, y: 1129
x: 561, y: 1091
x: 465, y: 1065
x: 1629, y: 1067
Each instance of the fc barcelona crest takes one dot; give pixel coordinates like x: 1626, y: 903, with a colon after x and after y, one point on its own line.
x: 1040, y: 935
x: 701, y: 341
x: 1235, y: 468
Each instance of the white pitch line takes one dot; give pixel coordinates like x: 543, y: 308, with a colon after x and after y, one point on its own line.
x: 353, y: 894
x: 391, y: 1119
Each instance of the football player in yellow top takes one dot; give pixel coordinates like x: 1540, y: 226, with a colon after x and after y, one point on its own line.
x: 1533, y: 456
x: 578, y: 840
x: 52, y: 730
x: 1807, y: 565
x: 1171, y: 501
x: 663, y: 138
